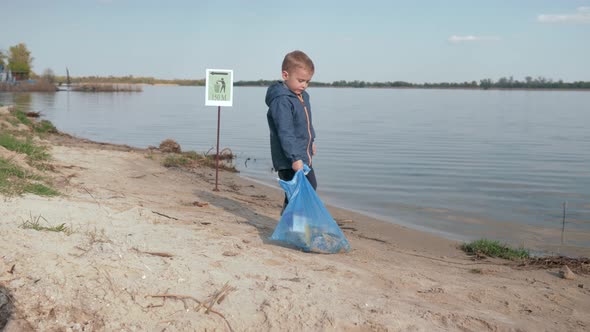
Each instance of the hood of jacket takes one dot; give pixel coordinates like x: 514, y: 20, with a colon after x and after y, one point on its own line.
x: 277, y: 89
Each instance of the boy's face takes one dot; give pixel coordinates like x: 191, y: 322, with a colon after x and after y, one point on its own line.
x: 298, y: 79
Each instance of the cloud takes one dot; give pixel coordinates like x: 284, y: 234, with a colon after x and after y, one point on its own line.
x: 469, y: 38
x: 582, y: 15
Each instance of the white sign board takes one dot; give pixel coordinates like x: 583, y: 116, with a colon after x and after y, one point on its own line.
x: 219, y: 85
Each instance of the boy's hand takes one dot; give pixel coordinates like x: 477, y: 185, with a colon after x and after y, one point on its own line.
x: 313, y: 149
x: 297, y: 165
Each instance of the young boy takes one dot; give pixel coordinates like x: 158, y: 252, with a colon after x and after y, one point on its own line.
x: 289, y: 119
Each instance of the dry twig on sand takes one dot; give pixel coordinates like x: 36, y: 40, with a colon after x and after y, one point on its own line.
x: 217, y: 297
x: 182, y: 298
x: 154, y: 253
x: 579, y: 265
x: 108, y: 277
x: 97, y: 202
x: 163, y: 215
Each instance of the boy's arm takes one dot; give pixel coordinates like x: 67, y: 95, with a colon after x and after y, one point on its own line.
x: 307, y: 97
x: 282, y: 116
x: 313, y: 147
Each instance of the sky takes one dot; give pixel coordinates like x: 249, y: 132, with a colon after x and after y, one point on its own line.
x: 415, y: 41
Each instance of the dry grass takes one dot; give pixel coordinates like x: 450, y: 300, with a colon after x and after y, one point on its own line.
x: 105, y: 87
x: 170, y: 145
x: 96, y: 236
x: 37, y: 86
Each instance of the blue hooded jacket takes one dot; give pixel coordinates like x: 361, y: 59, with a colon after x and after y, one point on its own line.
x: 291, y: 129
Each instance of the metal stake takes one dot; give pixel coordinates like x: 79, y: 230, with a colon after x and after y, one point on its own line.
x: 217, y: 154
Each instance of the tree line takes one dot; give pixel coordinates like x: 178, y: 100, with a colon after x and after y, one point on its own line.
x: 502, y: 83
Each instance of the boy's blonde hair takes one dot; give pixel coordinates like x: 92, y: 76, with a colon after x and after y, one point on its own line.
x: 297, y: 59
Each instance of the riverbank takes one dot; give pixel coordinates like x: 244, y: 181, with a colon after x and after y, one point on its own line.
x: 145, y: 247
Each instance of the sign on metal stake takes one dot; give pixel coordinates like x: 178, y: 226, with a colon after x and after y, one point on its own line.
x: 219, y: 85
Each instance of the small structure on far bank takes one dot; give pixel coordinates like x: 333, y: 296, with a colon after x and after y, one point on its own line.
x: 6, y: 76
x: 14, y: 81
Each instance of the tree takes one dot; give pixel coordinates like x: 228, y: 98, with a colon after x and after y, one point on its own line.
x: 49, y: 75
x: 20, y: 61
x: 486, y: 83
x: 2, y: 57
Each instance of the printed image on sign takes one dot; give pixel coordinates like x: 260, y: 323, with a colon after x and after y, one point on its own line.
x: 219, y: 84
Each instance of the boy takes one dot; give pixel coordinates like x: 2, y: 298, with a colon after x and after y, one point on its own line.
x: 289, y: 119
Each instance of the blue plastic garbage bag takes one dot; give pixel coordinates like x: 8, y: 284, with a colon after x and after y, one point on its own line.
x: 306, y: 223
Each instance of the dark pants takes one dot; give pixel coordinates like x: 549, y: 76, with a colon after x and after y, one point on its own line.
x: 288, y: 174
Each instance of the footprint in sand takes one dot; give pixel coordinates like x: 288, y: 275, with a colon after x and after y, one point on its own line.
x: 272, y: 262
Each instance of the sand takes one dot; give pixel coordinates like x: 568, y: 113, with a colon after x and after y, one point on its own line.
x: 142, y: 255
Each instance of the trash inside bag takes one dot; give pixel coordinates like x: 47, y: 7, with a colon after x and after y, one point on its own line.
x: 306, y: 223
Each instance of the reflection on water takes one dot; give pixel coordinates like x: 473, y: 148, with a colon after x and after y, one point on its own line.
x: 465, y: 164
x: 24, y: 99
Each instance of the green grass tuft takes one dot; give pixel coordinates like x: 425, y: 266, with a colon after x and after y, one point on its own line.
x: 22, y: 117
x: 40, y: 190
x: 192, y: 155
x: 15, y: 181
x: 34, y: 223
x: 45, y: 126
x: 7, y: 169
x: 492, y: 248
x: 224, y: 164
x: 34, y: 152
x: 175, y: 160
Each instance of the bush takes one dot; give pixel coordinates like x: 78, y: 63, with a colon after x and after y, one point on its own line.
x: 169, y: 146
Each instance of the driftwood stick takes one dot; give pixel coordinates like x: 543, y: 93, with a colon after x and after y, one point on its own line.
x: 154, y: 253
x: 163, y: 215
x: 161, y: 254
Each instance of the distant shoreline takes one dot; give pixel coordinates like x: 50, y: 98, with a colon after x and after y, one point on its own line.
x: 503, y: 83
x: 46, y: 87
x: 432, y: 88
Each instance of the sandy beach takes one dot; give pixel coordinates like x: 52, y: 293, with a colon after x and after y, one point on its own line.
x: 151, y: 248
